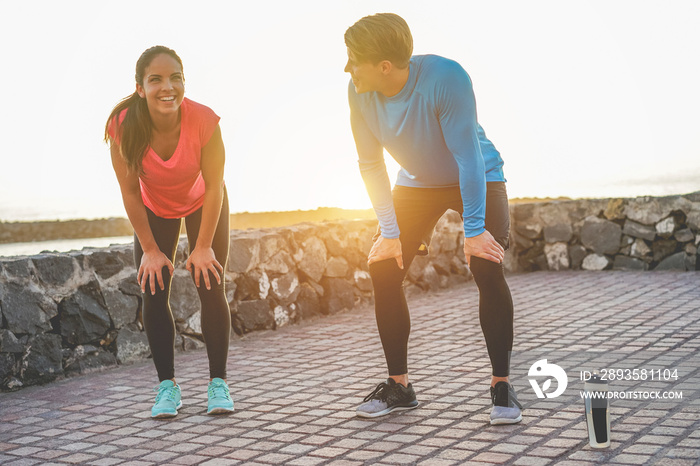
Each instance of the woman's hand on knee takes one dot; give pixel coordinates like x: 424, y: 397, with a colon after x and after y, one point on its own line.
x: 151, y: 269
x: 385, y: 248
x: 484, y: 246
x: 202, y: 261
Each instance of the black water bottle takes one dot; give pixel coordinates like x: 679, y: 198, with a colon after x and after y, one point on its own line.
x: 597, y: 411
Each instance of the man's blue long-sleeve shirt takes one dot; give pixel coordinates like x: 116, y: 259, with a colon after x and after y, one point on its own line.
x: 430, y: 128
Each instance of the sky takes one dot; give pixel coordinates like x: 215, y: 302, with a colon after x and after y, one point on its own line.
x: 582, y: 98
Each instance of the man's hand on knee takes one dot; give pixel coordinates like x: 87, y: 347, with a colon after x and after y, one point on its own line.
x: 384, y: 248
x: 484, y: 246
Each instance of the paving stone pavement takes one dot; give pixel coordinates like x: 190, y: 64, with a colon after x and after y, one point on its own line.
x: 296, y: 388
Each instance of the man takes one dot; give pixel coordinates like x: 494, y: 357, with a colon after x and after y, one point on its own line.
x: 421, y: 109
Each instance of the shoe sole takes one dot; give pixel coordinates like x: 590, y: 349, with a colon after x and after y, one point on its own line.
x: 498, y: 422
x: 220, y: 411
x: 386, y: 411
x: 167, y: 415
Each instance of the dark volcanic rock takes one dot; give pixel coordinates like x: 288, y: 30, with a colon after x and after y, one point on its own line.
x: 9, y: 342
x: 529, y: 230
x: 243, y: 254
x: 7, y: 366
x: 520, y: 241
x: 270, y: 246
x: 184, y: 299
x: 314, y: 258
x: 307, y: 302
x: 112, y: 261
x: 675, y: 262
x: 639, y: 231
x: 338, y: 294
x: 190, y: 343
x: 363, y: 281
x: 430, y: 280
x: 18, y: 268
x: 601, y: 236
x: 43, y: 359
x: 337, y: 267
x: 26, y: 310
x: 561, y: 232
x: 684, y: 235
x: 577, y: 253
x: 252, y: 286
x: 628, y: 263
x: 130, y: 286
x: 83, y: 317
x: 639, y: 249
x: 255, y: 315
x: 131, y: 344
x: 663, y: 248
x: 122, y: 307
x: 279, y: 263
x: 336, y: 242
x: 54, y: 269
x: 88, y: 358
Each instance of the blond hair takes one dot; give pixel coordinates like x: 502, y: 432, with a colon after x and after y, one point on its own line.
x: 384, y: 36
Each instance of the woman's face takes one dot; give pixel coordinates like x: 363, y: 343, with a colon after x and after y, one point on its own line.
x: 163, y: 85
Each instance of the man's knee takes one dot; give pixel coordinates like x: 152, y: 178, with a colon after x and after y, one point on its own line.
x: 486, y: 271
x: 386, y: 273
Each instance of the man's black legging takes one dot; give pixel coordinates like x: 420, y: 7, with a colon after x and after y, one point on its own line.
x: 157, y: 316
x: 417, y: 212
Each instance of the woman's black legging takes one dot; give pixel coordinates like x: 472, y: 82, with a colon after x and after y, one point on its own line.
x: 157, y: 316
x: 417, y: 212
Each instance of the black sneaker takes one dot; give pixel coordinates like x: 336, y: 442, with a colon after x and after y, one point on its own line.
x: 506, y: 408
x: 387, y: 397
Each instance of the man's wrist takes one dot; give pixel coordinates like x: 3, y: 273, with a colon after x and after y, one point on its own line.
x: 473, y: 233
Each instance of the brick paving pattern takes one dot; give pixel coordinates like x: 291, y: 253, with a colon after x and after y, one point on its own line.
x: 296, y: 389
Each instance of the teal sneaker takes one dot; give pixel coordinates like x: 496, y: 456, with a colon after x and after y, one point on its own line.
x: 168, y: 400
x: 220, y: 401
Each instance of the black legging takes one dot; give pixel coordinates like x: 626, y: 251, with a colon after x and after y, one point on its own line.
x: 417, y: 212
x: 157, y: 316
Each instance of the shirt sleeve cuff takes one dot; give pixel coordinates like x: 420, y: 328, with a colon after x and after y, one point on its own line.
x: 470, y: 233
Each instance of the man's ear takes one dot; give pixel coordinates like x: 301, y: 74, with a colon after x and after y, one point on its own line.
x: 386, y: 66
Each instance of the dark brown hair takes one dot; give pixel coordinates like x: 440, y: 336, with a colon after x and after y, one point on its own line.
x: 134, y: 132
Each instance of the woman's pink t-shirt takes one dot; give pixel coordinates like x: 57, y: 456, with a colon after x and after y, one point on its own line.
x: 174, y: 188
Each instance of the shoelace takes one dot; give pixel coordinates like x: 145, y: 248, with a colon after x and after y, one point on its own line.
x: 379, y: 393
x: 508, y: 397
x: 168, y: 392
x: 219, y: 391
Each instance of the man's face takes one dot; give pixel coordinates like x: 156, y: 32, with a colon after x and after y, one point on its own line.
x: 365, y: 76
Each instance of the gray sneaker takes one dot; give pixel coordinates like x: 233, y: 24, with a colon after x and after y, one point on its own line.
x: 387, y: 397
x: 506, y: 408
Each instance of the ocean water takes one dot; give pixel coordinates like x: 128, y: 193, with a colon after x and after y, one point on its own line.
x: 63, y: 245
x: 90, y: 208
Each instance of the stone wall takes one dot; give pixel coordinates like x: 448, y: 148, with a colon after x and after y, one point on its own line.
x: 644, y: 233
x: 69, y: 313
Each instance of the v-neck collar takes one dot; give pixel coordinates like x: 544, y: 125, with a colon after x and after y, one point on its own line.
x: 179, y: 140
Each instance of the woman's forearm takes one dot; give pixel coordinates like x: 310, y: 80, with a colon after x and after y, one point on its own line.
x: 136, y: 212
x: 213, y: 197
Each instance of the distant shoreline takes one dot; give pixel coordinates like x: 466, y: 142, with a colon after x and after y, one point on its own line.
x: 49, y: 230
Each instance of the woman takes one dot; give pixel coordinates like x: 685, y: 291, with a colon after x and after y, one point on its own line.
x: 168, y: 156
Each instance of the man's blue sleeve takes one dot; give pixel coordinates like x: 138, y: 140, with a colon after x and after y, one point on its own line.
x: 457, y: 115
x: 373, y: 169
